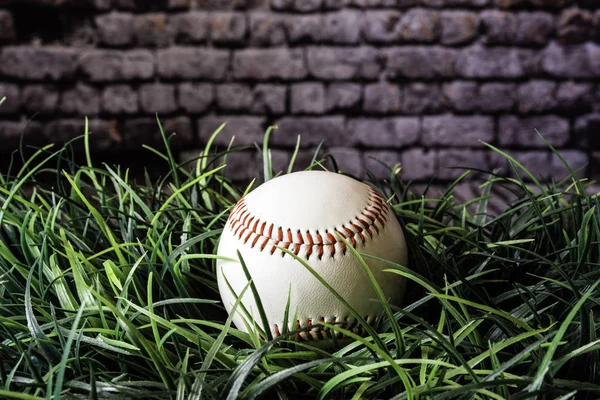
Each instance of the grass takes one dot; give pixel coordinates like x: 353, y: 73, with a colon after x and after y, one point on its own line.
x: 108, y: 290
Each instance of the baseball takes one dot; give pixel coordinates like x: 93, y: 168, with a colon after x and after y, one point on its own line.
x: 302, y: 212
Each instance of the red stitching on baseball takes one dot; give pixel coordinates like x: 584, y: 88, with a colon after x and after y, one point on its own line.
x: 309, y: 238
x: 300, y: 238
x: 248, y: 236
x: 320, y: 251
x: 308, y: 252
x: 319, y: 332
x: 270, y: 233
x: 264, y: 244
x: 371, y: 220
x: 262, y: 228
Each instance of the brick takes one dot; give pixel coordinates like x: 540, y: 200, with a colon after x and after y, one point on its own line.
x: 534, y: 28
x: 247, y: 130
x: 229, y: 4
x: 420, y: 25
x: 393, y: 132
x: 102, y: 133
x: 383, y: 26
x: 522, y: 131
x: 497, y: 62
x: 343, y: 96
x: 418, y: 164
x: 193, y: 63
x: 195, y: 97
x: 452, y: 163
x: 13, y: 133
x: 378, y: 164
x: 348, y: 160
x: 574, y: 96
x: 586, y: 130
x: 113, y: 65
x: 507, y: 4
x: 452, y: 130
x: 40, y: 99
x: 576, y: 159
x: 153, y: 30
x: 241, y: 166
x: 382, y: 98
x: 304, y: 28
x: 574, y: 25
x: 272, y: 63
x: 420, y: 62
x: 13, y: 100
x: 340, y: 63
x: 120, y: 99
x: 7, y: 27
x: 267, y: 29
x: 536, y: 162
x: 307, y: 98
x: 342, y: 27
x: 269, y: 99
x: 81, y: 99
x: 537, y: 96
x: 421, y: 98
x: 115, y: 29
x: 181, y: 127
x: 526, y: 28
x: 336, y: 4
x: 157, y: 98
x: 190, y: 27
x: 454, y: 3
x: 80, y: 33
x: 280, y: 160
x: 145, y: 131
x: 458, y: 27
x: 38, y: 63
x: 468, y: 190
x: 383, y: 3
x: 312, y: 131
x: 297, y: 5
x: 580, y: 61
x: 234, y: 96
x: 496, y: 97
x: 550, y: 3
x: 461, y: 95
x: 499, y: 27
x: 228, y: 27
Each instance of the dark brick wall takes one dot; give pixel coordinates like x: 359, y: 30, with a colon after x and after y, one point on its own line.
x: 418, y: 81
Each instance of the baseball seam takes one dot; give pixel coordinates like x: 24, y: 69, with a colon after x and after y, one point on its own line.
x: 249, y: 228
x: 320, y: 332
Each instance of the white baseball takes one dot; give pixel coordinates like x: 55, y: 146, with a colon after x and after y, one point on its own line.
x: 301, y: 212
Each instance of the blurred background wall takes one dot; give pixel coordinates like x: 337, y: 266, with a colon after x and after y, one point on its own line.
x: 423, y: 82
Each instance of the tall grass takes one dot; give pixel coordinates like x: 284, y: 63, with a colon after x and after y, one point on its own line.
x: 108, y: 290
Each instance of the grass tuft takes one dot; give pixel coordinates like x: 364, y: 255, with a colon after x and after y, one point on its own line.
x: 108, y: 290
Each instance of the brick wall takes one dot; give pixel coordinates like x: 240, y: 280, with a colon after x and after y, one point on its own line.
x: 417, y: 81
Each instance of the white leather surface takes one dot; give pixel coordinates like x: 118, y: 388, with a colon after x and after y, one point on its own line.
x: 310, y: 201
